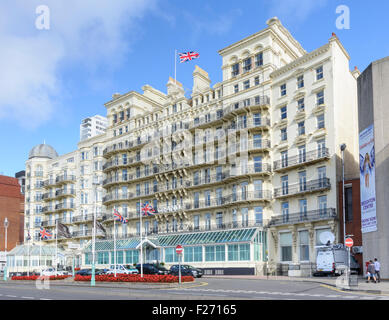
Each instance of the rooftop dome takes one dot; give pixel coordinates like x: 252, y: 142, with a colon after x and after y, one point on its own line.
x: 43, y: 151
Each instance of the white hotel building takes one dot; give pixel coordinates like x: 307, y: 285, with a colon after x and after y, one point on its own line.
x: 263, y: 200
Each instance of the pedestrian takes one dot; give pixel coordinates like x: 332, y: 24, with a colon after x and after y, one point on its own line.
x: 371, y: 272
x: 377, y: 266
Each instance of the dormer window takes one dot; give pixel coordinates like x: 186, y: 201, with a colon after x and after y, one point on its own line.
x: 259, y: 59
x: 235, y: 69
x: 247, y: 65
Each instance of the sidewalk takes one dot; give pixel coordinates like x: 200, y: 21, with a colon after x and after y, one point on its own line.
x: 371, y: 287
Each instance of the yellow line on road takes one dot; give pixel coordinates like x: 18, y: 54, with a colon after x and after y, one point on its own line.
x: 201, y: 284
x: 353, y: 292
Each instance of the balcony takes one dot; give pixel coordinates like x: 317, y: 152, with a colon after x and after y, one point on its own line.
x: 299, y: 160
x: 65, y: 193
x: 64, y: 207
x: 48, y: 209
x: 82, y: 233
x: 86, y: 218
x: 49, y: 183
x: 302, y: 188
x: 65, y: 178
x: 207, y: 119
x: 48, y: 196
x: 304, y: 217
x: 258, y: 101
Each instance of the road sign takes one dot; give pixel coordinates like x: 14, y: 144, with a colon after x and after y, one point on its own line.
x: 179, y: 249
x: 349, y: 242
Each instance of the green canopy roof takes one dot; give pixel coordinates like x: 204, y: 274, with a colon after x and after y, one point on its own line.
x: 34, y: 250
x: 195, y: 238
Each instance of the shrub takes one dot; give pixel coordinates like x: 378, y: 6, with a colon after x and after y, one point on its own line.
x: 41, y: 278
x: 135, y: 278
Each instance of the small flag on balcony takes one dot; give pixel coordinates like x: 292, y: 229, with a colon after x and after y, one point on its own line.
x: 101, y: 228
x: 45, y: 234
x: 118, y: 217
x: 148, y: 210
x: 28, y: 235
x: 188, y: 56
x: 63, y: 231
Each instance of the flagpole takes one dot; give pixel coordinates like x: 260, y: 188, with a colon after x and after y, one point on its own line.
x: 56, y: 247
x: 114, y: 243
x: 40, y: 253
x: 29, y: 258
x: 93, y: 278
x: 175, y: 67
x: 141, y: 246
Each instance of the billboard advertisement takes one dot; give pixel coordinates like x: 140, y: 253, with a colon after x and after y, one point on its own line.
x: 367, y: 180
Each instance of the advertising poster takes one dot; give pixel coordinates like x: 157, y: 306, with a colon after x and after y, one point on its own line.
x: 367, y: 180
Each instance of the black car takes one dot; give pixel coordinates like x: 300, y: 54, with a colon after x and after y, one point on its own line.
x: 149, y: 269
x: 186, y: 270
x: 88, y: 272
x: 161, y: 269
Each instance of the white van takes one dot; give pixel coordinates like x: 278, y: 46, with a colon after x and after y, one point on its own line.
x: 333, y: 260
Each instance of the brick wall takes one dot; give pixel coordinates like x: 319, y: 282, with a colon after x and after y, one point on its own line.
x: 12, y: 207
x: 352, y: 227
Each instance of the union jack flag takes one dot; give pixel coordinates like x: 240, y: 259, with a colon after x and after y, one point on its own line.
x: 45, y: 234
x: 148, y: 210
x: 188, y: 56
x: 118, y: 217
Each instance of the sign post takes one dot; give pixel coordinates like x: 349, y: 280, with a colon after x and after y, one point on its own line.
x: 349, y: 243
x: 179, y: 251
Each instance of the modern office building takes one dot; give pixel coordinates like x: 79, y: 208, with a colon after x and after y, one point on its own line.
x: 373, y: 97
x: 92, y: 126
x: 243, y: 174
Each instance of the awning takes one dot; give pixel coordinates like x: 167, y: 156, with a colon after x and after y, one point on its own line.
x: 185, y: 239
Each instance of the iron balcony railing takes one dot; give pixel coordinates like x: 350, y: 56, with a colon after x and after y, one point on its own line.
x: 65, y: 178
x: 254, y: 101
x: 301, y: 159
x: 63, y: 192
x: 86, y: 218
x: 304, y: 216
x: 64, y: 206
x: 82, y: 233
x: 302, y: 187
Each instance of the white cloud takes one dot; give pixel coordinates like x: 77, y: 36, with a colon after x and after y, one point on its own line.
x: 298, y: 10
x: 89, y: 33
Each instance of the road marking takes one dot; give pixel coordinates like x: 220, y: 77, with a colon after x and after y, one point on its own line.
x: 44, y: 299
x: 27, y: 297
x: 11, y: 296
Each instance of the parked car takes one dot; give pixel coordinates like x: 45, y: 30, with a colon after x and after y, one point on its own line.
x: 121, y: 269
x: 161, y: 269
x: 186, y: 270
x: 49, y: 272
x: 149, y: 269
x: 333, y: 260
x: 88, y: 272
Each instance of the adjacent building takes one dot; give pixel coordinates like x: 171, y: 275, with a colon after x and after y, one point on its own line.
x: 92, y: 126
x: 11, y: 208
x: 373, y: 97
x: 244, y: 174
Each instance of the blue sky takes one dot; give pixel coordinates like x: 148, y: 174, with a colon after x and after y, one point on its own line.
x: 51, y: 79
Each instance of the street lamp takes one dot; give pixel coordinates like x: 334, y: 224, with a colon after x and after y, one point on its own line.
x: 93, y: 278
x: 6, y: 223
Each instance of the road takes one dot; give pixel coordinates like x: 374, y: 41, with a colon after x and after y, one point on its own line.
x: 202, y: 289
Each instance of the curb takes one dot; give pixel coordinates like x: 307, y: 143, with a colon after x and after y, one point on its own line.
x: 307, y: 280
x: 102, y: 285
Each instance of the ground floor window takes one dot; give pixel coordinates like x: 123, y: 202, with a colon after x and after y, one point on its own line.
x: 215, y: 253
x: 103, y: 257
x: 88, y: 258
x: 304, y: 245
x: 193, y: 254
x: 119, y: 257
x: 132, y: 257
x: 238, y: 252
x: 171, y: 255
x: 286, y: 246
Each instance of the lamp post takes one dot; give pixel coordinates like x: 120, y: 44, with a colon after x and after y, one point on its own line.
x: 6, y: 223
x: 93, y: 278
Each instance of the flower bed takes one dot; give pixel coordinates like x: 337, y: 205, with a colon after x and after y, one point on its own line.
x: 135, y: 278
x: 40, y: 278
